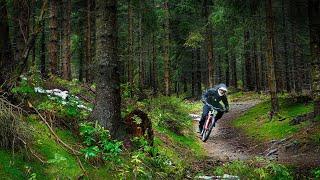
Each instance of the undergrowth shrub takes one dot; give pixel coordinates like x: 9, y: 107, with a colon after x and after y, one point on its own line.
x: 256, y: 169
x: 146, y: 162
x: 170, y: 113
x: 99, y: 144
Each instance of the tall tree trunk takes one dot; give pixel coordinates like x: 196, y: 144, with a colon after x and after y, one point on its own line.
x: 198, y: 74
x: 219, y: 72
x: 108, y: 98
x: 33, y: 4
x: 297, y: 71
x: 53, y: 42
x: 154, y: 65
x: 141, y: 54
x: 227, y: 65
x: 88, y: 57
x: 81, y: 59
x: 285, y: 48
x: 6, y: 58
x: 314, y: 25
x: 256, y: 67
x: 270, y: 57
x: 43, y: 52
x: 66, y: 49
x: 233, y: 70
x: 209, y: 45
x: 166, y: 55
x: 193, y: 74
x: 130, y: 45
x: 21, y: 17
x: 248, y: 84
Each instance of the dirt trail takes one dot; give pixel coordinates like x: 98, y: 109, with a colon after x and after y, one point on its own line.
x: 225, y: 143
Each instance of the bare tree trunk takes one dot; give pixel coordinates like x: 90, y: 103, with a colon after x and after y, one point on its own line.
x: 285, y: 48
x: 314, y: 25
x: 21, y: 17
x: 53, y: 44
x: 297, y: 72
x: 198, y: 74
x: 248, y: 84
x: 209, y: 44
x: 227, y: 65
x: 88, y: 57
x: 233, y: 70
x: 66, y: 50
x: 270, y: 57
x: 6, y: 58
x: 141, y: 56
x: 43, y: 52
x: 193, y: 75
x: 130, y: 45
x: 256, y: 68
x: 33, y: 4
x: 166, y: 55
x: 108, y: 98
x: 154, y: 68
x: 81, y: 58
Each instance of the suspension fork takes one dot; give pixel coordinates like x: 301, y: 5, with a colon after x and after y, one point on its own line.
x: 208, y: 121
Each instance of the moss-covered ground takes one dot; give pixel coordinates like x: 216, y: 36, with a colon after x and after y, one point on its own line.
x: 175, y: 144
x: 256, y: 122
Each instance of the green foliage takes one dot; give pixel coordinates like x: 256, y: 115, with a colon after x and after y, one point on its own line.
x: 316, y: 173
x: 194, y: 40
x: 147, y: 162
x: 62, y: 108
x: 98, y: 143
x: 23, y: 88
x: 255, y: 169
x: 170, y: 113
x: 218, y: 16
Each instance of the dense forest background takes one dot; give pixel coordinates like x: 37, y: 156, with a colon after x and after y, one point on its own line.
x: 170, y: 47
x: 125, y: 53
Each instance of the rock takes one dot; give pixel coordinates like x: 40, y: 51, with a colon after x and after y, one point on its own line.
x: 271, y: 152
x: 205, y: 177
x: 227, y: 176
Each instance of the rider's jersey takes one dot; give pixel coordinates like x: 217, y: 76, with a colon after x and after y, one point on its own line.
x: 212, y: 97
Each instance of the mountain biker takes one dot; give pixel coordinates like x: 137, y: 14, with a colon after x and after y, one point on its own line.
x: 212, y: 98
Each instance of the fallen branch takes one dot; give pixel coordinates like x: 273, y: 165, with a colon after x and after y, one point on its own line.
x: 75, y: 152
x: 35, y: 155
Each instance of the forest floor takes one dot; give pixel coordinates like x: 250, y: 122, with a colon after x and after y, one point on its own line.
x: 227, y: 143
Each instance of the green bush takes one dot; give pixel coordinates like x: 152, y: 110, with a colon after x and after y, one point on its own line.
x: 98, y: 143
x: 256, y: 169
x: 170, y: 113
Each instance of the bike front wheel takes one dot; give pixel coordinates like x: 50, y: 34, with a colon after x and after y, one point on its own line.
x: 206, y: 133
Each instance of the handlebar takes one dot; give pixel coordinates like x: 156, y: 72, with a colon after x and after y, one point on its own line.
x: 218, y: 109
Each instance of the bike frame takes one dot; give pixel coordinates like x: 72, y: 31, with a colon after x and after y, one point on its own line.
x: 210, y: 119
x: 208, y: 125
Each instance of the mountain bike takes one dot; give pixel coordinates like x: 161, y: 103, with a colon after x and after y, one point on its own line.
x: 209, y: 123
